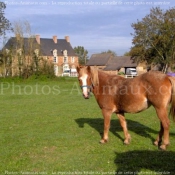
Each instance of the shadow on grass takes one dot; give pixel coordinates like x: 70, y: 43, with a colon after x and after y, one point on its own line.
x: 133, y: 126
x: 134, y: 162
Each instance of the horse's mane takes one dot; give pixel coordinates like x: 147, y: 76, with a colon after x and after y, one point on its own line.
x: 94, y: 75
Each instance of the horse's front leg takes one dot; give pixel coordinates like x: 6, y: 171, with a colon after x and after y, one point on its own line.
x: 107, y: 120
x: 125, y: 129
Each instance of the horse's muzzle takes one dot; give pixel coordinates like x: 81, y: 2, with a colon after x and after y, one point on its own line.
x: 86, y: 97
x: 86, y: 91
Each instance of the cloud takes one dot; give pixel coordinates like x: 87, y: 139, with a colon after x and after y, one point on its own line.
x: 96, y: 25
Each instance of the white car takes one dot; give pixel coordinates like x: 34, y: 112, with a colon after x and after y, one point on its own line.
x: 66, y: 73
x: 131, y: 71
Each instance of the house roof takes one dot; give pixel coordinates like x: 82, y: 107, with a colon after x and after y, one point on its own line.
x: 111, y: 62
x: 46, y: 46
x: 118, y: 62
x: 99, y: 59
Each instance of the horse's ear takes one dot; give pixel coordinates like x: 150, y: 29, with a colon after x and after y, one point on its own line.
x: 89, y: 69
x: 78, y: 68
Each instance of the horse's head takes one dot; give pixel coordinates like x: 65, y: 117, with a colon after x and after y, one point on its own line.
x: 87, y: 80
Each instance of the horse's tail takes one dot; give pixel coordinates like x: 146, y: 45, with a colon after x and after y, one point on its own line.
x: 172, y: 108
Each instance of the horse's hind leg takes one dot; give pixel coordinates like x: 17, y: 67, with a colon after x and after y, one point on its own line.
x: 164, y: 129
x: 125, y: 129
x: 158, y: 141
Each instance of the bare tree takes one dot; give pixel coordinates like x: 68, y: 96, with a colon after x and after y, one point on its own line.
x: 26, y: 47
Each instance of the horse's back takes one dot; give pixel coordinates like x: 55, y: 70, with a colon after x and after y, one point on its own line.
x: 151, y: 88
x: 133, y: 95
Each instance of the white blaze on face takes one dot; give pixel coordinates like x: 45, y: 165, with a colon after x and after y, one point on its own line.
x: 84, y: 83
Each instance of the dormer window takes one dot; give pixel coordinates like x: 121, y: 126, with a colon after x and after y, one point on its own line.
x: 7, y: 51
x: 54, y: 52
x: 36, y: 52
x: 65, y: 53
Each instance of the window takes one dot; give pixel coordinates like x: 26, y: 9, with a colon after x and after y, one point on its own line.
x: 56, y: 70
x: 65, y: 52
x: 72, y: 59
x: 19, y: 51
x: 7, y: 51
x: 54, y: 52
x: 65, y: 59
x: 55, y: 59
x: 20, y: 60
x: 65, y: 67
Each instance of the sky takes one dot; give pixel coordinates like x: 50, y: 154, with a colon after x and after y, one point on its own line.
x: 96, y: 25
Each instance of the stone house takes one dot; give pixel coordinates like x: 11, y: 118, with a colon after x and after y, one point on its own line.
x: 54, y: 50
x: 114, y: 64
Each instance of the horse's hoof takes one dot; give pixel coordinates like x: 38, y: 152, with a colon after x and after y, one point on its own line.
x: 102, y: 141
x: 128, y: 140
x: 163, y: 147
x: 156, y: 143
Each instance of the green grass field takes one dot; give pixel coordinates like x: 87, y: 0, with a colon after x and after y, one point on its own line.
x: 48, y: 128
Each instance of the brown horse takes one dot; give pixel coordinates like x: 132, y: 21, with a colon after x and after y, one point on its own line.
x: 115, y: 94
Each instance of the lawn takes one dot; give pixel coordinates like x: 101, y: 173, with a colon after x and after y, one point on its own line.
x: 48, y: 128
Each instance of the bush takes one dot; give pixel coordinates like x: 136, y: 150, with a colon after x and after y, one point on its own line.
x: 121, y: 73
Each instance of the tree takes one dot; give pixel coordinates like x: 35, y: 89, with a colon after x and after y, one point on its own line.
x: 127, y: 54
x: 154, y: 38
x: 82, y: 54
x: 4, y: 23
x: 5, y: 62
x: 24, y: 57
x: 25, y: 49
x: 110, y: 51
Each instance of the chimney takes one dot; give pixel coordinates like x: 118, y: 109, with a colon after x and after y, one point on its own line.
x: 67, y: 39
x: 18, y: 36
x: 55, y: 39
x: 38, y: 39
